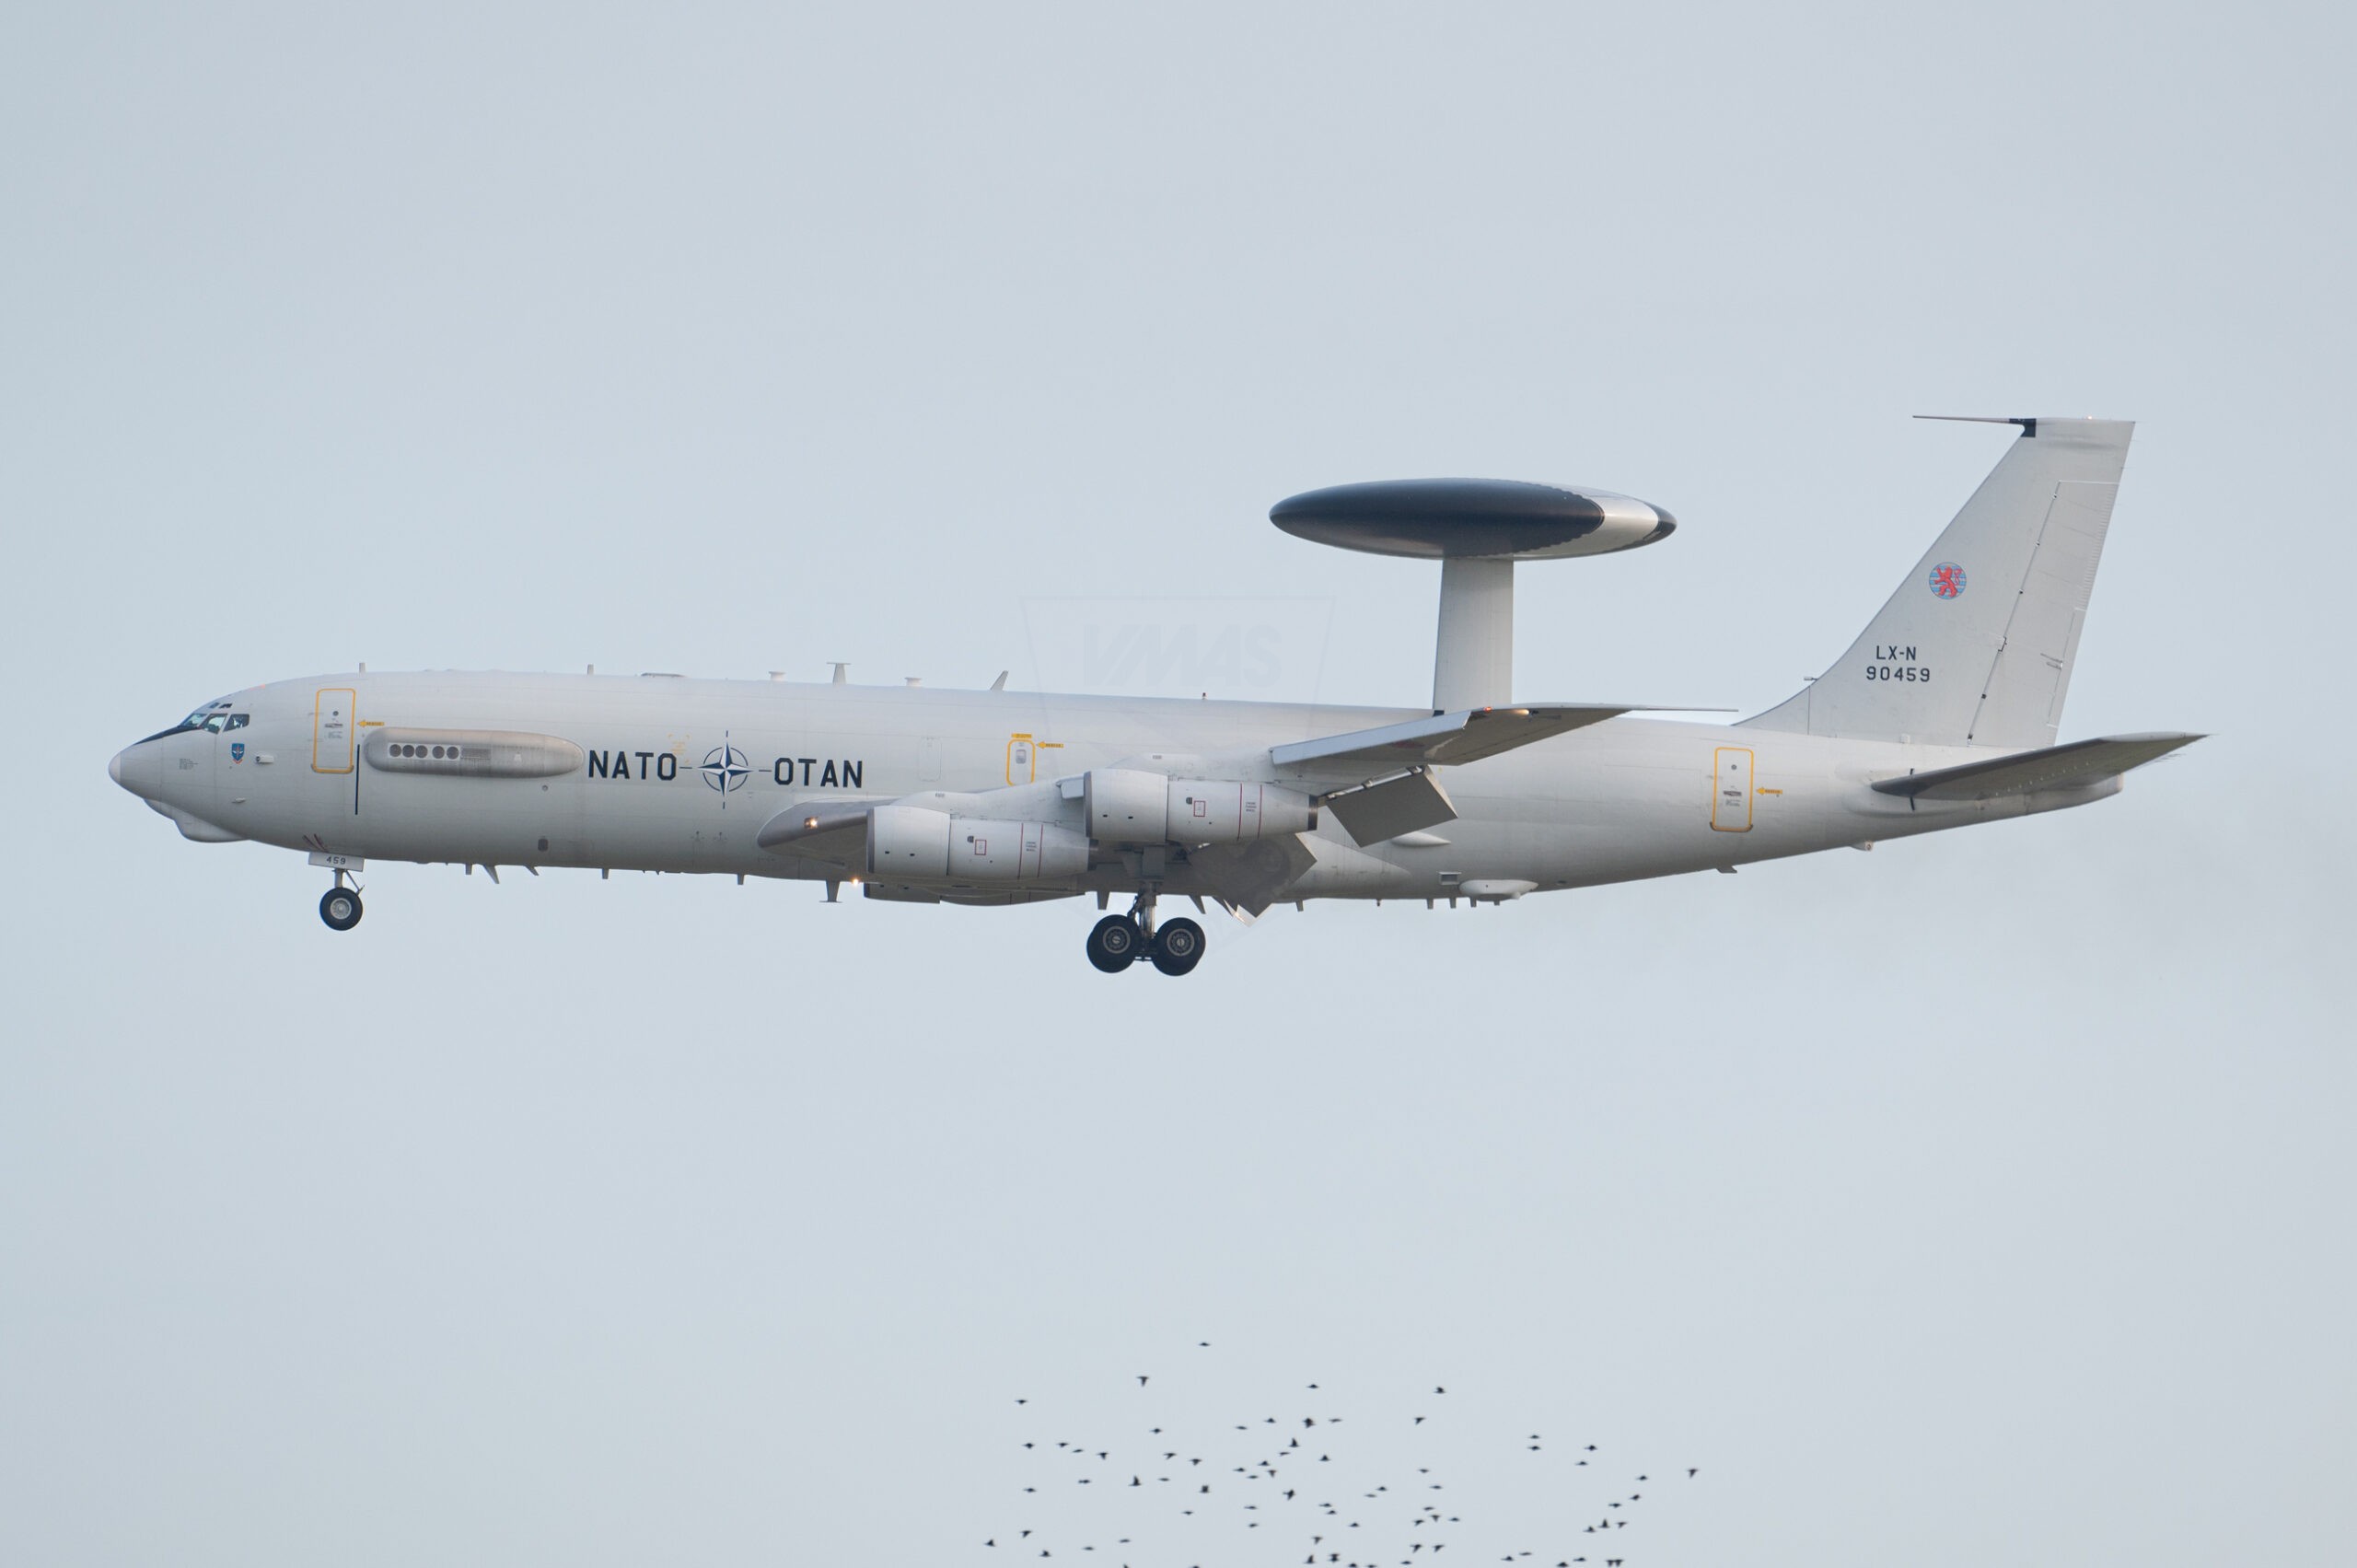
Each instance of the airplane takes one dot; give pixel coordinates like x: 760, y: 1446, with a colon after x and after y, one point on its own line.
x: 1943, y: 714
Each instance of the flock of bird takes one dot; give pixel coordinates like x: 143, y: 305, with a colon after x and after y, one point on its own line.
x: 1157, y: 1495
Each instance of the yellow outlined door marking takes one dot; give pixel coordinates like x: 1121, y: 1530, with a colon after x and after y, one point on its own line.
x: 1023, y: 757
x: 1731, y: 789
x: 331, y: 729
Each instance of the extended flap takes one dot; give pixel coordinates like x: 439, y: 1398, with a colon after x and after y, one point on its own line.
x: 1250, y: 876
x: 1398, y: 806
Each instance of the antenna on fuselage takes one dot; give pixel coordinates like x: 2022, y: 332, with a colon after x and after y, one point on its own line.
x: 1477, y: 528
x: 843, y: 673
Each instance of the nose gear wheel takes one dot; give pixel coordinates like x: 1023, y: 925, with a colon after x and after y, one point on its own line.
x: 339, y: 907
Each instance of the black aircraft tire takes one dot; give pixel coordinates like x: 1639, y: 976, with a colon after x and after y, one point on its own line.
x: 1178, y: 946
x: 339, y: 907
x: 1113, y: 945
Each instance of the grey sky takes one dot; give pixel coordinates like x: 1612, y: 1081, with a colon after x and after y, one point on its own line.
x: 1986, y: 1198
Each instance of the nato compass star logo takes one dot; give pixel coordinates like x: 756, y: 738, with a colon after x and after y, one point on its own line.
x: 724, y: 768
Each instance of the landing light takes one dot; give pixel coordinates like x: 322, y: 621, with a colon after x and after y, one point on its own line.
x: 810, y: 822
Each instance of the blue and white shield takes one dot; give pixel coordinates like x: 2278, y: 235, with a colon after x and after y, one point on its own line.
x: 237, y: 751
x: 724, y: 768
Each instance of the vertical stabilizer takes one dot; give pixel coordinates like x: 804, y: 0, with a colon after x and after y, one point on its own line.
x: 1976, y: 647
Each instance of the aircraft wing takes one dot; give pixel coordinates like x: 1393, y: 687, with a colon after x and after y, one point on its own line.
x: 1444, y: 739
x: 2050, y: 767
x: 833, y: 829
x: 1378, y: 783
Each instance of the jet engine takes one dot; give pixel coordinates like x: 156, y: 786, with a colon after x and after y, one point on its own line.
x: 932, y: 846
x: 1129, y: 806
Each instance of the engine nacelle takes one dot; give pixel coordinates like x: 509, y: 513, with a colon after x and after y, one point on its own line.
x: 1128, y: 806
x: 1218, y: 811
x: 982, y: 850
x: 908, y: 840
x: 932, y: 846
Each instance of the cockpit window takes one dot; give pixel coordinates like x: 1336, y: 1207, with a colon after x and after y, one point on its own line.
x: 212, y: 716
x: 240, y: 721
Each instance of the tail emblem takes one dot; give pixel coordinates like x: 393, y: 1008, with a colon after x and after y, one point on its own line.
x: 1947, y: 580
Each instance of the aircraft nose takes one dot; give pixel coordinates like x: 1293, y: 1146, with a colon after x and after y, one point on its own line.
x: 123, y: 769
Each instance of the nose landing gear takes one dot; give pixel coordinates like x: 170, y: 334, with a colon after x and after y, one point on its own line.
x: 339, y: 907
x: 1120, y: 940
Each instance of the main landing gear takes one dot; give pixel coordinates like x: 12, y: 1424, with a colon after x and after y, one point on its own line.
x: 341, y: 906
x: 1120, y: 940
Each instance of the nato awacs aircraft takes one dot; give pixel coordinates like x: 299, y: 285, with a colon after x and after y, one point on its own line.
x: 1942, y: 715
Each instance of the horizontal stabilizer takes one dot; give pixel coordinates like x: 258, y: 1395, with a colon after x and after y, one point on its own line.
x: 2050, y: 767
x: 1466, y: 735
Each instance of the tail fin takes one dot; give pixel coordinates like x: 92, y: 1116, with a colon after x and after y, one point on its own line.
x: 1976, y: 647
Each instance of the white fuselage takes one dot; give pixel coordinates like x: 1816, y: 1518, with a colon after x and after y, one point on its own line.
x: 659, y: 788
